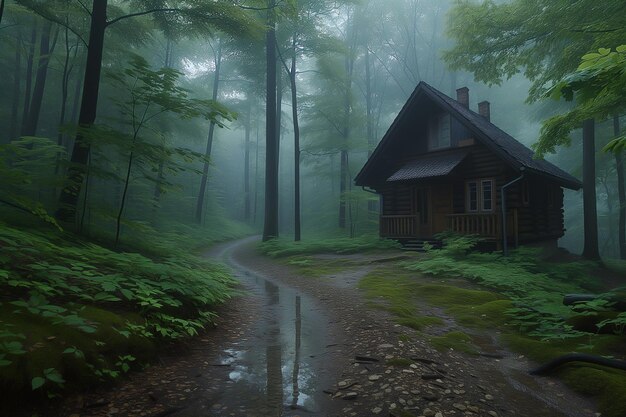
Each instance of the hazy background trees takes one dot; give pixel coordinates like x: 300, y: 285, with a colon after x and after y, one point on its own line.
x: 343, y: 70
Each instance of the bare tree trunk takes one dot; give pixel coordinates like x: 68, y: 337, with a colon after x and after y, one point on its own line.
x: 45, y: 50
x: 246, y: 163
x: 297, y: 234
x: 270, y: 226
x: 89, y: 105
x: 344, y: 168
x: 256, y: 174
x: 621, y: 192
x: 209, y: 144
x: 15, y: 104
x: 1, y: 9
x: 156, y: 196
x: 590, y: 250
x: 29, y: 77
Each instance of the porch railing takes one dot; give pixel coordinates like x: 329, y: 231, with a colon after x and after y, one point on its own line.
x: 487, y: 225
x: 398, y: 226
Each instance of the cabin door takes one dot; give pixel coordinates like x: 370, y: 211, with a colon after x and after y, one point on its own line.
x: 421, y: 208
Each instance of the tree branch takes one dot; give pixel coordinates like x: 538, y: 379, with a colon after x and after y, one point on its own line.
x: 145, y: 12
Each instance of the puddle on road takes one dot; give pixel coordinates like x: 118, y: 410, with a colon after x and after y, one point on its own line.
x: 278, y: 369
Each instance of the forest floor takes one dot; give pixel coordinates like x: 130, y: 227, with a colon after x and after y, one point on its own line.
x: 307, y: 341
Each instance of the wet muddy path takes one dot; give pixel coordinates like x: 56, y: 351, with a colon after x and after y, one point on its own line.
x: 291, y: 345
x: 279, y: 367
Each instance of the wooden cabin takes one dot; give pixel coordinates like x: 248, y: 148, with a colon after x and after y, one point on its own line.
x: 442, y: 167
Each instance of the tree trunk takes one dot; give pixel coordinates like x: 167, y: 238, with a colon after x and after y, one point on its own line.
x: 270, y: 227
x: 30, y: 128
x: 246, y: 163
x: 296, y: 145
x: 344, y: 169
x: 1, y: 9
x: 129, y: 169
x: 89, y: 105
x: 256, y: 174
x: 590, y: 250
x: 209, y: 143
x: 156, y: 196
x: 621, y: 192
x: 29, y: 78
x: 17, y: 79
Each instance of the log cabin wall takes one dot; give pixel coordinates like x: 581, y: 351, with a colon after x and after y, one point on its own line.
x: 540, y: 209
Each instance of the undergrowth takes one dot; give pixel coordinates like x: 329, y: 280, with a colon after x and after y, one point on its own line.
x: 535, y: 286
x: 75, y: 313
x: 281, y: 247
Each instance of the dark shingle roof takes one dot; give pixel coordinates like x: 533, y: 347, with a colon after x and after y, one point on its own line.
x: 510, y: 150
x: 428, y: 166
x: 504, y: 144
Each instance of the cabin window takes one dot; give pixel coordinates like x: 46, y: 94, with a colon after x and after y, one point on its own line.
x: 486, y: 195
x: 439, y: 132
x: 472, y: 196
x: 480, y: 195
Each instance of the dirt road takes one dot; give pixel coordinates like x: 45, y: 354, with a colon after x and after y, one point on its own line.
x: 302, y: 346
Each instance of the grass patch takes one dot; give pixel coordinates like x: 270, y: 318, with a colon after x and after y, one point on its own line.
x: 458, y: 341
x: 317, y: 268
x: 277, y: 248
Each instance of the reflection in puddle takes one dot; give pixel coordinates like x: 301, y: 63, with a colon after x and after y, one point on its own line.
x: 273, y: 371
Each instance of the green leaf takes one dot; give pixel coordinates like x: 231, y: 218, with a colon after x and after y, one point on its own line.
x: 37, y: 382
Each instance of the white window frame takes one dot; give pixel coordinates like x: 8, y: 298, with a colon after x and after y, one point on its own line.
x: 480, y: 195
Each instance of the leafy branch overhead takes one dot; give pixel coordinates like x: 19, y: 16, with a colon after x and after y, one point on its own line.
x: 597, y: 86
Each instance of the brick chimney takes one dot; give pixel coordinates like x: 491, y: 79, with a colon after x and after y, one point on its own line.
x: 484, y: 109
x: 462, y: 96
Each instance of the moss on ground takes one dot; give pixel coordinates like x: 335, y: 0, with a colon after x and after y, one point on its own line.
x: 419, y: 322
x: 317, y: 268
x: 458, y: 341
x: 400, y: 362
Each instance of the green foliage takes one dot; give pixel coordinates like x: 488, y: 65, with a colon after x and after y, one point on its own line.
x: 598, y: 84
x: 454, y: 340
x: 281, y: 248
x: 81, y: 303
x: 544, y: 39
x: 535, y: 287
x: 26, y: 168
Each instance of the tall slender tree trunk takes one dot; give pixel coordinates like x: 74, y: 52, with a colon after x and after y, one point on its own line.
x: 1, y: 9
x: 30, y: 128
x: 270, y: 226
x: 621, y: 192
x: 296, y: 144
x: 29, y: 77
x: 156, y: 196
x: 590, y: 250
x: 246, y: 163
x: 256, y: 173
x: 372, y: 205
x: 209, y: 143
x: 17, y: 80
x: 344, y: 167
x: 65, y: 79
x: 89, y: 105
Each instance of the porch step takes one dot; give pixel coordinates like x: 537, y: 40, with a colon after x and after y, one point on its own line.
x: 417, y: 245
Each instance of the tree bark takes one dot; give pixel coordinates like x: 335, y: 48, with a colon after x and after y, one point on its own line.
x: 17, y: 80
x: 91, y: 84
x: 156, y: 196
x: 246, y: 163
x: 30, y: 128
x: 621, y: 192
x: 590, y: 250
x: 29, y: 78
x: 270, y: 227
x: 296, y: 145
x: 209, y: 143
x: 1, y: 9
